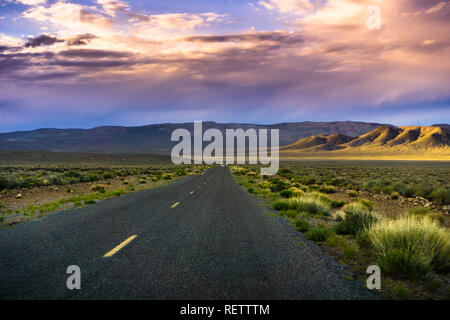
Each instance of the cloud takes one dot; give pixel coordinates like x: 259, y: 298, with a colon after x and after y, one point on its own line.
x: 43, y: 39
x: 94, y: 54
x: 80, y: 39
x: 438, y: 7
x: 70, y: 16
x: 112, y: 7
x: 321, y: 59
x: 298, y: 7
x: 258, y: 37
x: 32, y: 2
x: 160, y: 26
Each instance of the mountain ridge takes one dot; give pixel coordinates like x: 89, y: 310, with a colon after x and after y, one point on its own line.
x: 383, y: 141
x: 155, y: 138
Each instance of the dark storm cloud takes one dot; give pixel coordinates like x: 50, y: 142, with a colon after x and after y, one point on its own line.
x: 279, y: 37
x: 94, y: 64
x: 9, y: 48
x: 43, y: 39
x: 94, y: 54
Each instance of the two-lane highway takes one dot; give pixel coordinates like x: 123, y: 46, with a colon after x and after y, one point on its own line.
x: 202, y: 237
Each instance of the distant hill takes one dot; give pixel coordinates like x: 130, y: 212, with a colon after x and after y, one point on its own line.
x: 413, y: 142
x: 155, y: 139
x: 442, y: 125
x: 320, y: 142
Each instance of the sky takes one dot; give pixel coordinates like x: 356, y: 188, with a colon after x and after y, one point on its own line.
x: 104, y: 62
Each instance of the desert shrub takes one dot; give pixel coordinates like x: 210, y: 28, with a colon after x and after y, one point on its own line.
x: 49, y: 207
x: 286, y: 193
x: 349, y: 252
x: 3, y: 183
x: 109, y: 175
x: 285, y: 172
x: 116, y: 193
x: 289, y: 213
x: 356, y: 217
x: 154, y: 178
x: 409, y: 246
x: 441, y: 196
x: 166, y: 176
x: 142, y: 181
x: 281, y: 205
x: 251, y: 190
x: 90, y: 201
x: 335, y: 240
x: 1, y: 218
x: 338, y: 203
x: 352, y: 193
x: 433, y: 285
x: 367, y: 203
x: 395, y: 195
x: 401, y: 292
x: 314, y: 203
x: 277, y: 185
x: 419, y: 211
x: 98, y: 188
x: 318, y: 234
x: 302, y: 225
x: 328, y: 189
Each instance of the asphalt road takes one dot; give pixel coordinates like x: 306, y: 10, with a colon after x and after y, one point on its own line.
x: 202, y: 237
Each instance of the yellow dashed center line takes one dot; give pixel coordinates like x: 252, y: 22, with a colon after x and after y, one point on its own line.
x: 120, y: 246
x: 175, y: 204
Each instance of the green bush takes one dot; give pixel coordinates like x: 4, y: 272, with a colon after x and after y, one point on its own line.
x: 98, y: 188
x: 419, y: 211
x: 395, y: 195
x: 302, y: 225
x: 281, y: 205
x: 401, y: 292
x: 409, y: 246
x: 277, y: 185
x: 352, y: 193
x: 289, y: 213
x: 337, y: 241
x: 338, y: 204
x: 328, y: 189
x: 441, y: 196
x: 286, y: 193
x: 314, y: 203
x: 356, y: 217
x: 367, y: 203
x: 318, y: 234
